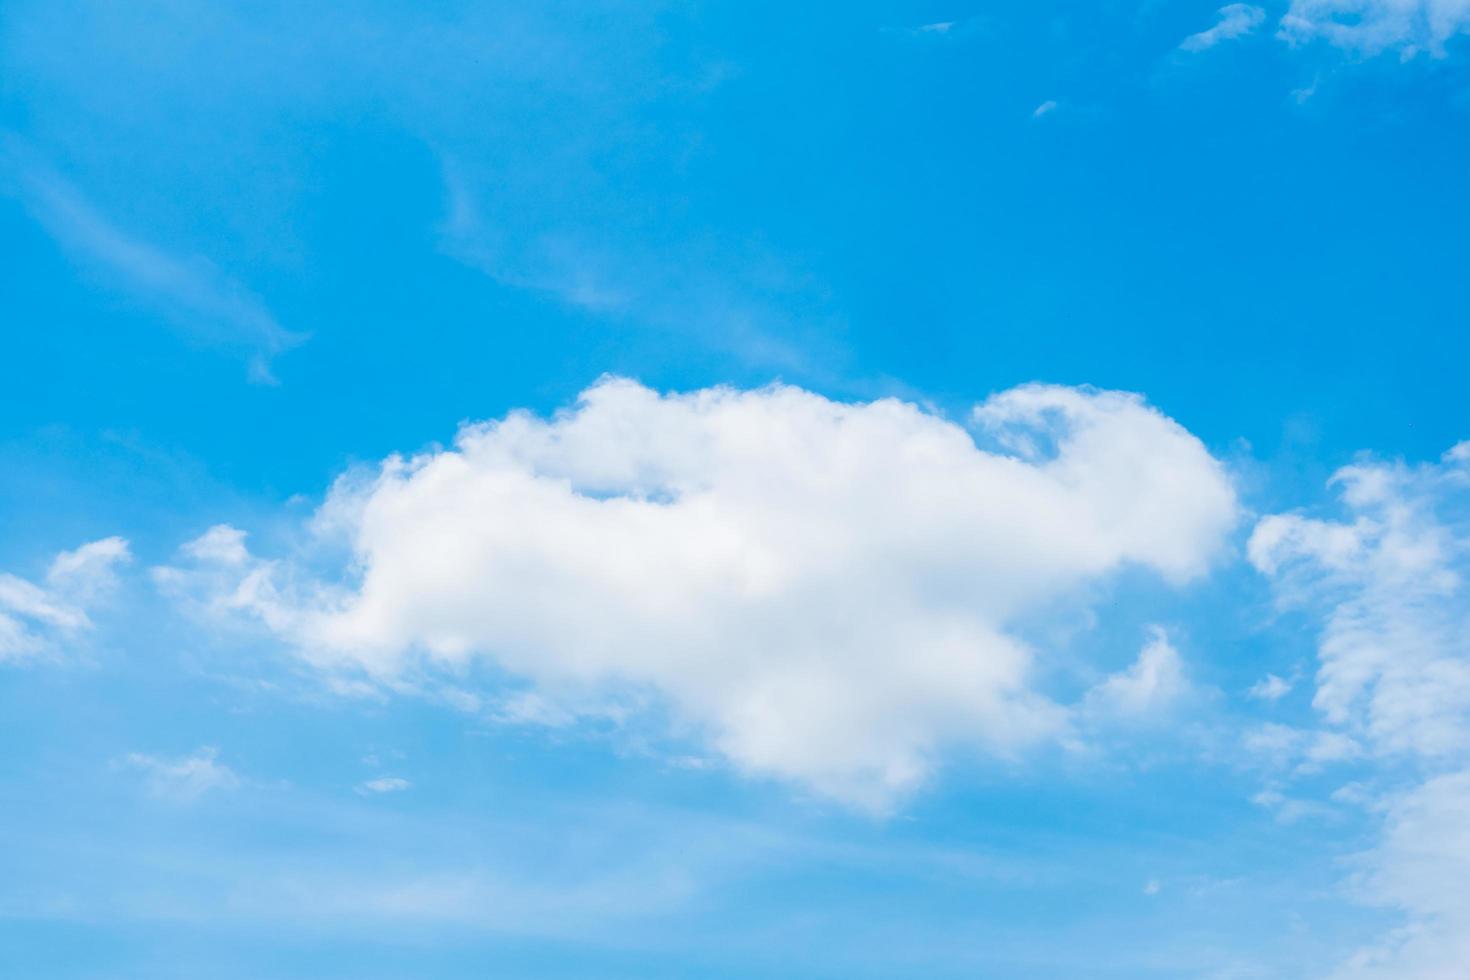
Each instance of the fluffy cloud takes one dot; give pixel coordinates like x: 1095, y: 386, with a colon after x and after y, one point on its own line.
x: 828, y: 592
x: 1389, y: 583
x: 1235, y: 20
x: 34, y: 618
x: 1371, y: 26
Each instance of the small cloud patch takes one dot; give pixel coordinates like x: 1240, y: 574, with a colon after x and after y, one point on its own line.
x: 383, y: 784
x: 186, y: 778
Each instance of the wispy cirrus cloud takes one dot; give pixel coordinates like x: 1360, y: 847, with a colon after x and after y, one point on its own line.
x: 555, y: 177
x: 196, y: 296
x: 37, y: 618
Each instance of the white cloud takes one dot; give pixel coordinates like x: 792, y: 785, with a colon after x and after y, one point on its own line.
x: 1273, y: 743
x: 89, y: 571
x: 220, y: 545
x: 1047, y: 107
x: 383, y: 784
x: 35, y: 618
x: 1234, y: 20
x: 1371, y: 26
x: 1289, y: 810
x: 1389, y: 583
x: 826, y: 591
x: 1421, y: 866
x: 1270, y: 688
x: 186, y: 778
x: 1303, y: 751
x: 1153, y: 683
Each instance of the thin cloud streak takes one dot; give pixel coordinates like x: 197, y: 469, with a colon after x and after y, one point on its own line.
x: 192, y: 291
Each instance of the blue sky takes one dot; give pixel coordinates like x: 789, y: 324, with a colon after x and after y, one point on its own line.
x: 723, y: 490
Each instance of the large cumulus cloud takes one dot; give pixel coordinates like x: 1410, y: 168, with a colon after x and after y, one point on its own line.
x: 826, y: 591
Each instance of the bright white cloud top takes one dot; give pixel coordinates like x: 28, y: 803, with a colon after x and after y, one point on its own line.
x: 827, y: 591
